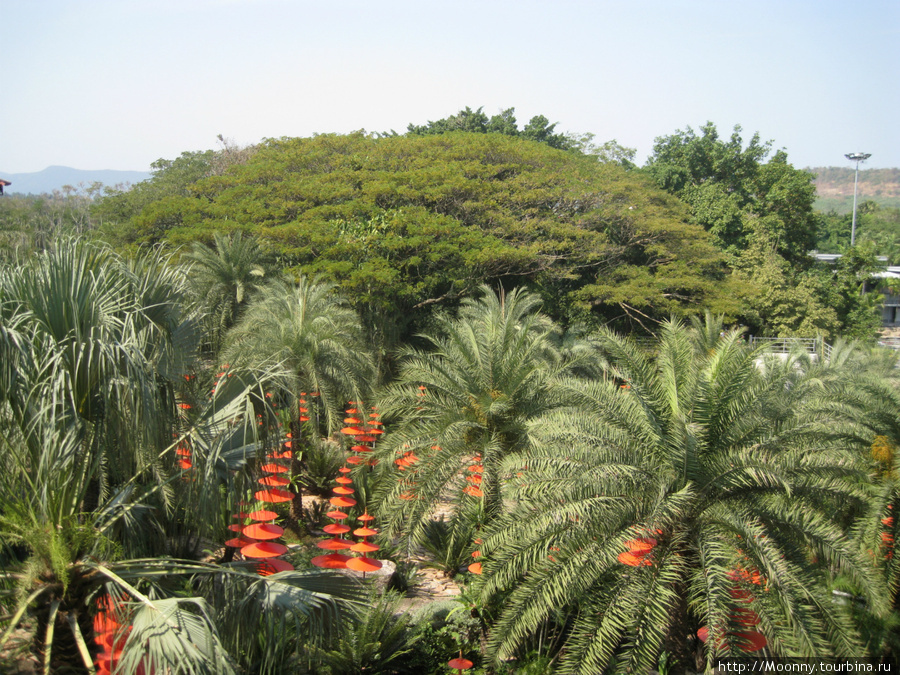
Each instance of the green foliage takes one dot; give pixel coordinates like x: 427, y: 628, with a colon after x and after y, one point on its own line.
x: 441, y: 629
x: 713, y: 458
x: 449, y: 545
x: 308, y: 330
x: 31, y: 224
x: 224, y: 278
x: 376, y: 641
x: 321, y: 461
x: 464, y: 401
x: 538, y: 128
x: 406, y: 224
x: 728, y: 185
x: 876, y: 224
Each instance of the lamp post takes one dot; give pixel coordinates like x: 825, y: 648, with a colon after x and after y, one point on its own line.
x: 856, y: 157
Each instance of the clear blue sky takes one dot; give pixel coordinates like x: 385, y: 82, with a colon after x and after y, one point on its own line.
x: 116, y: 84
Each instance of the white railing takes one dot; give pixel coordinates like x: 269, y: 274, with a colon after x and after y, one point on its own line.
x: 787, y: 345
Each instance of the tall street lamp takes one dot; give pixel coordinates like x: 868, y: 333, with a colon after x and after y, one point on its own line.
x: 856, y: 157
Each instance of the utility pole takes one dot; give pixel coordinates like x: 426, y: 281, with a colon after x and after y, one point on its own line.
x: 856, y: 157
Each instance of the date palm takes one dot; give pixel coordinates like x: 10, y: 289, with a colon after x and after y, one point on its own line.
x: 681, y: 449
x: 310, y: 333
x: 467, y: 399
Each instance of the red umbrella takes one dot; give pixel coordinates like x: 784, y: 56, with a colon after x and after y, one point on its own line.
x: 273, y: 566
x: 332, y: 561
x: 274, y: 496
x: 263, y: 549
x: 363, y: 564
x: 263, y: 514
x: 334, y: 528
x: 276, y: 481
x: 263, y: 532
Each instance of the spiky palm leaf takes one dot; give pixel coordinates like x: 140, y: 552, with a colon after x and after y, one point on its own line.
x: 470, y: 394
x: 312, y: 333
x: 680, y: 448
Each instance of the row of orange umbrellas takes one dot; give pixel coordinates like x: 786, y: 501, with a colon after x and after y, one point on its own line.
x: 255, y: 530
x: 364, y: 428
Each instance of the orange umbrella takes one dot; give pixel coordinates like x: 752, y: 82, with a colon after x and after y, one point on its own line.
x: 263, y: 514
x: 334, y: 544
x: 263, y: 549
x: 332, y: 561
x: 342, y: 501
x: 364, y: 547
x: 274, y: 496
x: 277, y: 481
x: 460, y: 663
x: 633, y: 559
x: 363, y: 564
x: 273, y: 566
x: 274, y: 468
x: 334, y: 528
x: 263, y: 532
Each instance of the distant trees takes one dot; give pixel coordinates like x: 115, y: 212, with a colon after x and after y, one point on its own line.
x: 538, y: 128
x: 733, y: 192
x: 407, y: 224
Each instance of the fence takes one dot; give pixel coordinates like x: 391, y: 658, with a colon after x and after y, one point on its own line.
x: 816, y: 345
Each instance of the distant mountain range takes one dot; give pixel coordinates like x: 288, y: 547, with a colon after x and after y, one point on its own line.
x: 55, y: 177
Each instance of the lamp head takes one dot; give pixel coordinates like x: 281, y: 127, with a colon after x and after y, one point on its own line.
x: 858, y: 156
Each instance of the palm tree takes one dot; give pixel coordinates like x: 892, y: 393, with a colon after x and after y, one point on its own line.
x: 464, y: 404
x: 678, y: 455
x: 92, y: 348
x: 310, y: 332
x: 224, y: 278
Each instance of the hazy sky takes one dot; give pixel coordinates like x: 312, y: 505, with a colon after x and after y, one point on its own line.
x: 117, y: 84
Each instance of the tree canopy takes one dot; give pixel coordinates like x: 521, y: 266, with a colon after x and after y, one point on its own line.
x: 406, y: 223
x: 732, y: 190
